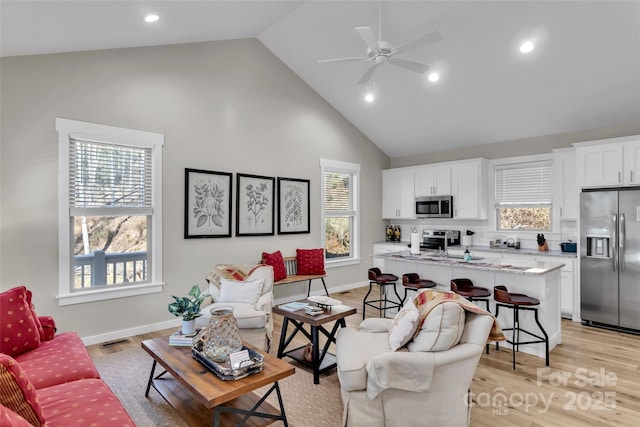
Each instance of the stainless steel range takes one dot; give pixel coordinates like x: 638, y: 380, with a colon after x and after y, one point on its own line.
x: 434, y: 239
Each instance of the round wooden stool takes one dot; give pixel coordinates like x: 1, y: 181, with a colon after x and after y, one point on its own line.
x: 382, y: 304
x: 517, y: 303
x: 466, y: 289
x: 413, y: 282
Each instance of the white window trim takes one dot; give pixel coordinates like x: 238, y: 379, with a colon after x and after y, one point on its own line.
x: 355, y: 238
x: 73, y: 129
x: 555, y: 222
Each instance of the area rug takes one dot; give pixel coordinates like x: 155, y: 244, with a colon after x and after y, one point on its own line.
x: 306, y: 404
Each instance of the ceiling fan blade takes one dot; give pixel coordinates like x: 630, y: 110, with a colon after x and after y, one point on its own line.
x: 409, y: 65
x: 353, y: 58
x: 420, y: 41
x: 367, y: 74
x: 369, y: 38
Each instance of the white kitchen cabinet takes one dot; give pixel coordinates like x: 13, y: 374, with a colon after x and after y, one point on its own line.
x: 609, y: 163
x: 469, y: 189
x: 384, y: 248
x: 398, y: 200
x: 566, y: 188
x: 631, y: 151
x: 566, y: 283
x: 433, y: 180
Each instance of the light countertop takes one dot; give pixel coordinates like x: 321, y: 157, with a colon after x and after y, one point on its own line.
x: 529, y: 268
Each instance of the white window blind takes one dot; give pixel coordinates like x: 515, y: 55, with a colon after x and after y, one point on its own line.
x: 107, y: 179
x: 523, y: 184
x: 338, y: 192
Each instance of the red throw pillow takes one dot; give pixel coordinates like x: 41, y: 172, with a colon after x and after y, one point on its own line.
x: 17, y: 393
x: 276, y: 261
x: 310, y: 261
x: 35, y: 316
x: 11, y: 419
x: 18, y: 330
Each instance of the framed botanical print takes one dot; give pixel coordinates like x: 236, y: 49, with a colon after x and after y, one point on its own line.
x: 293, y: 206
x: 255, y: 208
x: 207, y: 203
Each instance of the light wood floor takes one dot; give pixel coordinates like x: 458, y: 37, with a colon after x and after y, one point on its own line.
x: 594, y: 378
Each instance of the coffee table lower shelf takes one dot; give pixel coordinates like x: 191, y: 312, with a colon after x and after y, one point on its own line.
x: 197, y: 414
x: 328, y: 362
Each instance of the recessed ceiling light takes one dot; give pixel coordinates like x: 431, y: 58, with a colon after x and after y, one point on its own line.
x: 151, y: 18
x: 526, y: 47
x: 369, y: 97
x: 434, y: 77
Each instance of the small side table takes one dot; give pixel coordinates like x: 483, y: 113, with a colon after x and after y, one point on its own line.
x: 322, y: 360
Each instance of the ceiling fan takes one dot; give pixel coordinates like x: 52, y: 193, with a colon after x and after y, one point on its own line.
x: 380, y: 52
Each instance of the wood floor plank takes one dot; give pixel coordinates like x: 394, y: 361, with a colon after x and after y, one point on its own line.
x: 589, y: 363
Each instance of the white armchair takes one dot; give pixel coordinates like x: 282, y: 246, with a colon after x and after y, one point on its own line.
x: 249, y: 290
x: 415, y: 385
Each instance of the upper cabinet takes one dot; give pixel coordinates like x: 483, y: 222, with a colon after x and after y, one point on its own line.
x: 566, y: 191
x: 469, y: 189
x: 609, y: 163
x: 398, y: 199
x: 433, y: 180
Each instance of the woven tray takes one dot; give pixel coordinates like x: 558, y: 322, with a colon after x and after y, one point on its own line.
x: 224, y: 370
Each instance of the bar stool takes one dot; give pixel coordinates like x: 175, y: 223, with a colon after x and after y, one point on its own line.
x: 413, y: 282
x: 518, y: 302
x: 466, y: 289
x: 376, y: 277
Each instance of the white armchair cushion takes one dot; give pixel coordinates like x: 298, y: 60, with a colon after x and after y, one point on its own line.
x: 404, y: 325
x: 354, y: 348
x: 233, y: 291
x: 246, y: 314
x: 441, y: 330
x: 375, y: 324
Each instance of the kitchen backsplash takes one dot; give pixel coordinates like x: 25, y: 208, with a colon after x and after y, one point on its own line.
x: 482, y: 237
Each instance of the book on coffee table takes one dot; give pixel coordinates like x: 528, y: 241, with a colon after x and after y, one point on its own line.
x: 177, y: 339
x: 293, y: 306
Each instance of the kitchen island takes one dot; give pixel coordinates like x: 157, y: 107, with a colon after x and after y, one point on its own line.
x: 537, y: 279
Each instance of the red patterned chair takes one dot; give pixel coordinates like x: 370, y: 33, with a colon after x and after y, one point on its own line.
x: 49, y: 379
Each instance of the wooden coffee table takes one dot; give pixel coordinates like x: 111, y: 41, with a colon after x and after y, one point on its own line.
x: 199, y: 396
x: 322, y: 361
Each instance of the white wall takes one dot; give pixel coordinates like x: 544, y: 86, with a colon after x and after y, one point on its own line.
x: 226, y: 106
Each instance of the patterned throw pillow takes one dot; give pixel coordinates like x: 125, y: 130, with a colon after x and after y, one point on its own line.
x: 404, y: 326
x: 17, y: 393
x: 35, y: 316
x: 18, y: 331
x: 310, y: 261
x: 276, y: 261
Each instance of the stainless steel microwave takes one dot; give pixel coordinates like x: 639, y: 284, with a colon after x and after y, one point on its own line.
x: 434, y: 207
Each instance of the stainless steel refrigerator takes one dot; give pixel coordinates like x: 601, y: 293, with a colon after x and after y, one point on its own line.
x: 610, y: 258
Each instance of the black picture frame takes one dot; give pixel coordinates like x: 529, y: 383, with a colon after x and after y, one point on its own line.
x: 294, y: 214
x: 207, y: 203
x: 255, y: 207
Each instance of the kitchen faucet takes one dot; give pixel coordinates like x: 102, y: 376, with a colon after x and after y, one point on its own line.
x: 448, y: 234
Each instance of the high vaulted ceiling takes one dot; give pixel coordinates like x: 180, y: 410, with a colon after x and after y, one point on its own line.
x: 584, y: 72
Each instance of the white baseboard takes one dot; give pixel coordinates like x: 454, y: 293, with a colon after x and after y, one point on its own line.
x: 144, y: 329
x: 125, y: 333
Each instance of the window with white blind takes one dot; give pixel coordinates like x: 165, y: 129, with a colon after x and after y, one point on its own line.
x: 110, y: 211
x: 524, y: 196
x: 340, y: 215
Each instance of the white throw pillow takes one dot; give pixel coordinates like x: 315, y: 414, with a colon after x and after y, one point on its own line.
x: 441, y: 330
x: 234, y: 291
x: 404, y: 325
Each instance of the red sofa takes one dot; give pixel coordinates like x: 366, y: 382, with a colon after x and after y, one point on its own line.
x: 49, y: 379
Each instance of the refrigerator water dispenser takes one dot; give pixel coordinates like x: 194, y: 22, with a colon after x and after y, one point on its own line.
x: 598, y: 243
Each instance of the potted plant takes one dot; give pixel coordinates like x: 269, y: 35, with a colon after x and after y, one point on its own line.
x: 189, y: 308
